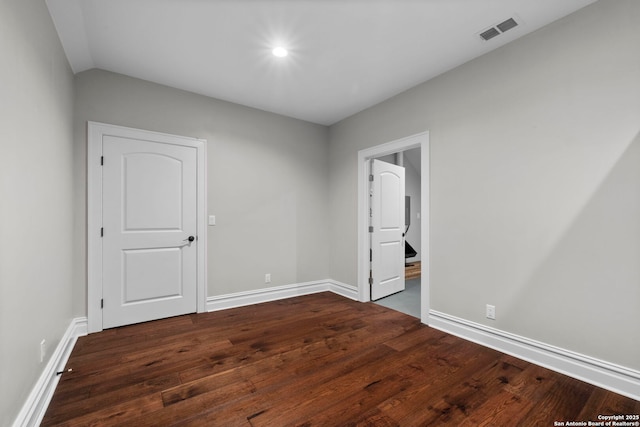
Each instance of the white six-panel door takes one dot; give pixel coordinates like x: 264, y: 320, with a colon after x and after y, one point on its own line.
x: 387, y: 229
x: 149, y: 220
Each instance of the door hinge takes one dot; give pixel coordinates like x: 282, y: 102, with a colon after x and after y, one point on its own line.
x: 371, y: 229
x: 370, y: 178
x: 102, y: 303
x: 370, y: 255
x: 370, y: 280
x: 101, y: 231
x: 101, y: 160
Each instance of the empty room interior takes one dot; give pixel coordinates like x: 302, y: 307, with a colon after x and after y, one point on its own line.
x: 512, y: 131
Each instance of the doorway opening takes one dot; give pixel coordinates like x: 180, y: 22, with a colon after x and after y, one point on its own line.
x: 407, y: 298
x: 416, y: 146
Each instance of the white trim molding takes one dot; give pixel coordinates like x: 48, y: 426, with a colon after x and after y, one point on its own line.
x: 240, y: 299
x: 36, y: 404
x: 619, y: 379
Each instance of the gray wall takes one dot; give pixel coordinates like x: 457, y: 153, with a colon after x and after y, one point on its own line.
x: 535, y: 184
x: 267, y: 180
x: 36, y: 216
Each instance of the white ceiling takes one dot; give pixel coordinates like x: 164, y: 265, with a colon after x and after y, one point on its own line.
x: 345, y: 55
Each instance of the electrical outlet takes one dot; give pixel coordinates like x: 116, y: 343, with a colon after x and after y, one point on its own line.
x: 491, y: 312
x: 267, y: 278
x: 43, y: 349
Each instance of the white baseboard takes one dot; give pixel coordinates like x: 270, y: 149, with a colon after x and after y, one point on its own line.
x: 241, y: 299
x: 619, y: 379
x: 343, y: 289
x: 36, y: 405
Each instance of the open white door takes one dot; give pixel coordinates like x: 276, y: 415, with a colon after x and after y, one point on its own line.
x: 149, y: 219
x: 387, y: 229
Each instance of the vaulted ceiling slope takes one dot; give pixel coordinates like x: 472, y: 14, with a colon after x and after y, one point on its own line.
x: 344, y: 55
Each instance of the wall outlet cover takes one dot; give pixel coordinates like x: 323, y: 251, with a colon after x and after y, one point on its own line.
x: 491, y: 312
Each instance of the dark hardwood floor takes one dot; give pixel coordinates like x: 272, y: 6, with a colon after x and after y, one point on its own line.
x: 316, y: 360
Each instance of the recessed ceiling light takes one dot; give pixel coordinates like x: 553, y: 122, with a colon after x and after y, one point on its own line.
x: 280, y: 52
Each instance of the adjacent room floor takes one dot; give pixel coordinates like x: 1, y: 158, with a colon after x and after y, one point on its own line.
x: 407, y: 301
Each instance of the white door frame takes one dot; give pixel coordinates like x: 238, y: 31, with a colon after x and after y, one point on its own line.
x: 95, y: 133
x: 421, y: 141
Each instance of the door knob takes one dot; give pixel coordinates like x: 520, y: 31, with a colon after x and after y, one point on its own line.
x: 190, y: 238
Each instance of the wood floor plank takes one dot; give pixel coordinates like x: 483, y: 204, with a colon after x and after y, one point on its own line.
x: 533, y: 383
x: 426, y: 403
x: 71, y: 408
x: 498, y: 410
x: 415, y: 336
x: 112, y: 415
x: 160, y: 362
x: 214, y: 405
x: 314, y: 360
x: 314, y: 393
x: 482, y: 396
x: 359, y: 401
x: 312, y: 353
x: 563, y: 401
x: 602, y: 402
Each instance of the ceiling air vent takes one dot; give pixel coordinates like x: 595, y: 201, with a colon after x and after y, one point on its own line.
x: 490, y: 33
x: 507, y: 25
x: 498, y: 29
